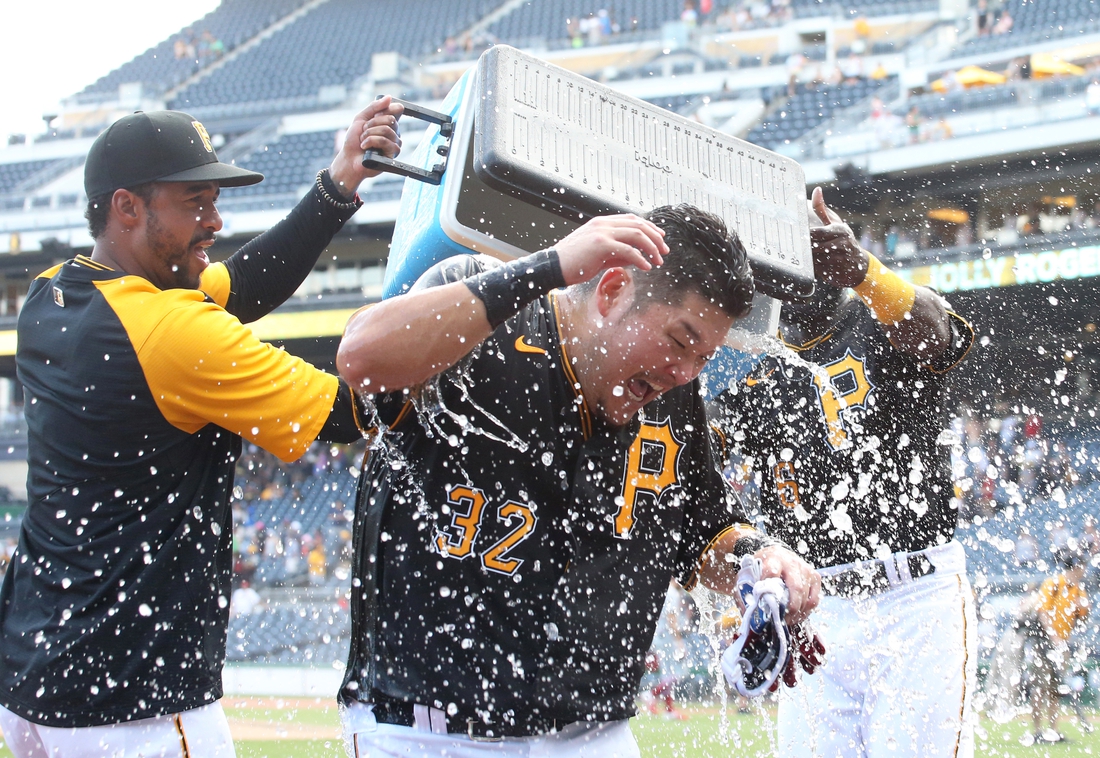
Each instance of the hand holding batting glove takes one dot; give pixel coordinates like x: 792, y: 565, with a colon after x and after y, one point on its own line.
x: 766, y: 649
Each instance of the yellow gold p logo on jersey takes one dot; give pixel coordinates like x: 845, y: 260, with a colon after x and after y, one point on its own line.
x: 203, y: 135
x: 650, y: 468
x: 848, y: 388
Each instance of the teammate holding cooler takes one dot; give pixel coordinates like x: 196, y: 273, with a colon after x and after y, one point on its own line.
x: 141, y: 381
x: 852, y: 474
x: 544, y: 469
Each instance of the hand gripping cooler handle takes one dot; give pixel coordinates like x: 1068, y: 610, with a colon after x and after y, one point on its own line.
x: 376, y: 160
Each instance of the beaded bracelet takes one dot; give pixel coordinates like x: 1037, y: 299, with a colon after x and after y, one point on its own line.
x: 354, y: 203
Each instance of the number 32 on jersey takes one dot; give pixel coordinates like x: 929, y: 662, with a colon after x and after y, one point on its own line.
x: 650, y: 471
x: 457, y: 539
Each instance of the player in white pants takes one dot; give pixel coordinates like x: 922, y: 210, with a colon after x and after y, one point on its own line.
x: 197, y: 733
x: 899, y: 667
x: 851, y: 471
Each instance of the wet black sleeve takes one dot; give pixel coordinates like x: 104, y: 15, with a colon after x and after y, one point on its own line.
x: 962, y: 338
x: 268, y: 269
x: 453, y: 269
x: 712, y: 504
x: 343, y: 423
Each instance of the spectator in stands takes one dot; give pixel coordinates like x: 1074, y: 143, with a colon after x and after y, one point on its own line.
x: 7, y: 549
x: 1090, y: 537
x: 318, y: 564
x: 573, y: 31
x: 913, y: 121
x: 689, y: 15
x: 114, y: 614
x: 245, y: 601
x: 1004, y: 26
x: 1092, y: 98
x: 891, y: 241
x: 983, y: 18
x: 1027, y: 548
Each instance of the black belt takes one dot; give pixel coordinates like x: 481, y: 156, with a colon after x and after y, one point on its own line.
x: 400, y: 713
x: 871, y: 577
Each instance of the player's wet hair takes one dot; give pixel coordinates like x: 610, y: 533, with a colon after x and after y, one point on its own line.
x: 704, y: 257
x: 100, y: 206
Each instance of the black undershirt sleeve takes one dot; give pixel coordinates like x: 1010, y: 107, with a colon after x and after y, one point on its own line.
x: 341, y: 426
x: 268, y: 269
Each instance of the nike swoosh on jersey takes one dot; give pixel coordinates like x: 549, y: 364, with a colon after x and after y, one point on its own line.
x: 753, y: 382
x: 523, y: 347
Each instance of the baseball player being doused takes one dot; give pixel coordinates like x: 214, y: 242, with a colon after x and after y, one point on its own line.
x: 544, y: 468
x: 852, y: 473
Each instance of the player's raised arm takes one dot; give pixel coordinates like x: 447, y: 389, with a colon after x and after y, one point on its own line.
x: 406, y: 340
x: 915, y: 318
x: 270, y: 268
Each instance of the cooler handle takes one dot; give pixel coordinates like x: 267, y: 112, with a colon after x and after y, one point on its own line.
x: 376, y: 160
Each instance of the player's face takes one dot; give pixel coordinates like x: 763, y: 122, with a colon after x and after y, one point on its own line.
x: 644, y: 352
x: 180, y: 225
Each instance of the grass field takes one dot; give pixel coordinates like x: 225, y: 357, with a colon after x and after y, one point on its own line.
x: 310, y: 728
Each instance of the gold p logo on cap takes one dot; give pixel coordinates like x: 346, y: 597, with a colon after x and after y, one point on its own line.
x: 204, y: 135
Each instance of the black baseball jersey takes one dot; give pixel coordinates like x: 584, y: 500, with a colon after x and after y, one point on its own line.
x: 847, y: 459
x: 513, y: 550
x: 115, y: 604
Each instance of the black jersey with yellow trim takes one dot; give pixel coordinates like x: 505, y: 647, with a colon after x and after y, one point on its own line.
x: 115, y: 605
x: 848, y: 455
x: 513, y: 550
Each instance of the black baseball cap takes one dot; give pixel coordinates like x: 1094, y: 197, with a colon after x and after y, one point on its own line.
x: 162, y: 146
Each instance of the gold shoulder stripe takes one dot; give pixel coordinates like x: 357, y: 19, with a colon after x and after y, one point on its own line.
x: 406, y: 409
x: 50, y: 272
x: 722, y: 442
x: 567, y: 368
x: 523, y: 347
x: 740, y: 530
x: 86, y: 261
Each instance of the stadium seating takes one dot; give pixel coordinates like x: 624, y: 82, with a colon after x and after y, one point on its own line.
x: 1040, y: 20
x: 991, y: 544
x: 545, y: 19
x: 158, y: 69
x: 11, y: 174
x: 937, y: 105
x: 330, y: 45
x: 301, y: 633
x: 808, y: 108
x: 311, y: 505
x: 290, y: 164
x: 853, y: 8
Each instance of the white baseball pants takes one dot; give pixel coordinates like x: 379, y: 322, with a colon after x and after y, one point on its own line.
x: 366, y: 738
x: 198, y: 733
x: 899, y: 673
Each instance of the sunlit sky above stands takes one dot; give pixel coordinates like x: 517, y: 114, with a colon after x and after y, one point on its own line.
x: 55, y: 48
